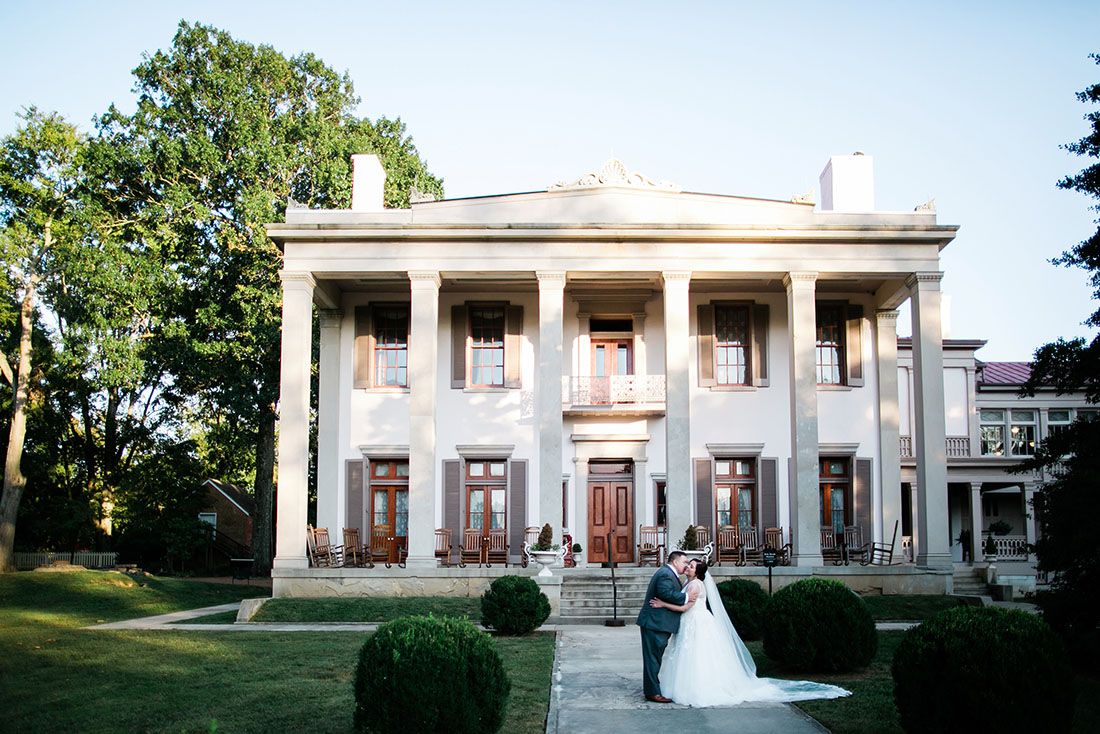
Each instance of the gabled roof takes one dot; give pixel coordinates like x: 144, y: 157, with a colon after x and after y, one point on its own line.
x: 1003, y: 373
x: 234, y: 494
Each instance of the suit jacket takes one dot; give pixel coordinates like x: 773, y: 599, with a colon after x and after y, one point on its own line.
x: 664, y: 585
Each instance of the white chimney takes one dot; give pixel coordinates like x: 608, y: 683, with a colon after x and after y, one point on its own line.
x: 848, y: 184
x: 368, y: 180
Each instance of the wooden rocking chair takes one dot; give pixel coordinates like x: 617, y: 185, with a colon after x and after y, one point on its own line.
x: 650, y: 547
x: 380, y: 545
x: 355, y: 553
x: 443, y: 546
x: 472, y: 547
x: 882, y: 554
x: 497, y: 548
x: 854, y: 547
x: 751, y: 551
x: 322, y: 553
x: 728, y: 545
x: 773, y: 538
x: 830, y: 550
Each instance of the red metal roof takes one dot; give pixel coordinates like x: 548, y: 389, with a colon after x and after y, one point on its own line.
x: 1003, y: 373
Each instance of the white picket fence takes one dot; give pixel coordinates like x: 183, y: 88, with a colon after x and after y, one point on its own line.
x: 87, y: 559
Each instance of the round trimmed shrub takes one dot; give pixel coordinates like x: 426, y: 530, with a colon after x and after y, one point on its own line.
x: 426, y: 674
x: 819, y: 625
x: 745, y: 603
x: 513, y: 605
x: 983, y: 669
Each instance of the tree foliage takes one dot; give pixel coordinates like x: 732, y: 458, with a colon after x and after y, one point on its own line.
x: 1066, y: 546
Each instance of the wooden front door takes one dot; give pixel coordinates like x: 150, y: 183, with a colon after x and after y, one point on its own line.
x: 611, y: 509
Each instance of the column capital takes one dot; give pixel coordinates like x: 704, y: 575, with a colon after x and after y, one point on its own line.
x: 887, y: 315
x: 424, y: 279
x: 676, y: 276
x: 297, y: 279
x: 329, y: 317
x: 924, y: 281
x: 550, y: 279
x: 794, y: 280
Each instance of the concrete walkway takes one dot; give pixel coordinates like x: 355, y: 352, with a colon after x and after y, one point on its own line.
x: 597, y: 687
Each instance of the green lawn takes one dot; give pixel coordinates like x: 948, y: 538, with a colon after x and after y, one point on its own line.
x: 367, y: 609
x: 55, y: 676
x: 908, y: 608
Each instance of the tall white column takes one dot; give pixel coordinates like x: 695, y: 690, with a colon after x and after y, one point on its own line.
x: 886, y: 343
x: 976, y: 522
x: 1028, y: 492
x: 549, y: 389
x: 677, y: 401
x: 291, y: 500
x: 931, y: 528
x: 580, y: 508
x: 423, y: 384
x: 331, y: 504
x: 804, y: 491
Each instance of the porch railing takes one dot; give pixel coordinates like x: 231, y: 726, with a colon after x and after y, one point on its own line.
x: 617, y: 390
x: 87, y: 559
x: 957, y: 447
x: 1010, y: 547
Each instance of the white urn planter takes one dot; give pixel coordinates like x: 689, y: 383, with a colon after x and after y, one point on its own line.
x: 546, y: 559
x: 703, y: 554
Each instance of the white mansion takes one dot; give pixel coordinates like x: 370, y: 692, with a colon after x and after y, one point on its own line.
x: 614, y: 353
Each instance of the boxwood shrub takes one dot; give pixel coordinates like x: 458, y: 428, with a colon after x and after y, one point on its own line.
x: 983, y: 669
x: 514, y: 605
x: 819, y: 625
x: 425, y: 674
x: 745, y: 603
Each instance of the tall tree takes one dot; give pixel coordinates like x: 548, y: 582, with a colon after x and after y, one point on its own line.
x: 39, y: 219
x: 224, y: 133
x: 1066, y: 546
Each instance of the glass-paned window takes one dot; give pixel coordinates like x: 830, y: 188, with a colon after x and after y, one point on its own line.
x: 391, y: 346
x: 992, y: 432
x: 835, y: 487
x: 1057, y: 420
x: 731, y: 344
x: 734, y: 491
x: 486, y: 492
x: 381, y: 507
x: 830, y: 344
x: 487, y: 347
x: 662, y: 505
x: 1023, y: 432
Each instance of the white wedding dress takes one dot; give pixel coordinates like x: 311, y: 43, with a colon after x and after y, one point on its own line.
x: 707, y: 664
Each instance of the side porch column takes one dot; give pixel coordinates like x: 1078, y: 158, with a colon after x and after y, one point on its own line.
x: 804, y: 476
x: 1028, y: 492
x: 886, y: 342
x: 291, y: 499
x: 929, y: 440
x: 423, y: 383
x: 331, y: 503
x: 677, y: 401
x: 976, y: 522
x: 549, y: 390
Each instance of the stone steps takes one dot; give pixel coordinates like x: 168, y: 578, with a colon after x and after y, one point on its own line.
x: 967, y: 582
x: 588, y: 598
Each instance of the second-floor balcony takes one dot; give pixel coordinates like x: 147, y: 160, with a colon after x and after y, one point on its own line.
x: 616, y: 393
x: 957, y: 447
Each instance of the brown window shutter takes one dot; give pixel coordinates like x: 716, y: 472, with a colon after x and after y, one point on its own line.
x: 452, y: 501
x: 760, y: 345
x: 854, y: 345
x: 704, y: 497
x: 363, y: 346
x: 769, y: 497
x: 459, y: 336
x: 862, y: 498
x: 355, y: 497
x: 513, y: 342
x: 517, y: 508
x: 706, y: 344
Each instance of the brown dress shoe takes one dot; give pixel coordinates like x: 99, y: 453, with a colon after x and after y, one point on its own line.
x: 658, y: 699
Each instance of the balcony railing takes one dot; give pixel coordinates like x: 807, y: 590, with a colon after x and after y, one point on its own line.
x: 617, y: 390
x: 1010, y: 547
x: 957, y: 447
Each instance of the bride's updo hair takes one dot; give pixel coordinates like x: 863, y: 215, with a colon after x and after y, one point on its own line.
x: 700, y: 570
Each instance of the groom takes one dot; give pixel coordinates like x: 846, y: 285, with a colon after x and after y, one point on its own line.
x: 657, y: 625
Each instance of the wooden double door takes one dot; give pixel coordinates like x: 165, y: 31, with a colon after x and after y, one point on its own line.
x: 611, y: 510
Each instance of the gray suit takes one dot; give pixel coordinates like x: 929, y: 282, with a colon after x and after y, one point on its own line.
x: 657, y: 625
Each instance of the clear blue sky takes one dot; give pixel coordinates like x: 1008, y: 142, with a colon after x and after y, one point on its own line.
x: 964, y: 102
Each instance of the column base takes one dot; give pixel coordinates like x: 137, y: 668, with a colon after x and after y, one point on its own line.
x: 290, y: 562
x: 807, y: 560
x: 935, y: 560
x: 421, y: 562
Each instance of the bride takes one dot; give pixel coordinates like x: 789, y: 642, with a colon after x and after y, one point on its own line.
x: 707, y: 664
